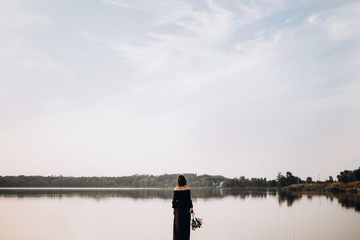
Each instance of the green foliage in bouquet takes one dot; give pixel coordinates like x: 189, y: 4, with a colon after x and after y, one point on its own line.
x: 196, y: 222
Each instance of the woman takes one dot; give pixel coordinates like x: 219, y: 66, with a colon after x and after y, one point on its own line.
x: 182, y: 207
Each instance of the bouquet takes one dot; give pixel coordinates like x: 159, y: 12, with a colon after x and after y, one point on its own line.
x: 195, y: 222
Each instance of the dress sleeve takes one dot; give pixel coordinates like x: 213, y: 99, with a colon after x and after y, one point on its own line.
x: 174, y: 200
x: 190, y: 201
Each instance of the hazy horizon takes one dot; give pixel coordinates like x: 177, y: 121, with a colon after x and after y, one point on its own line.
x: 316, y: 178
x: 232, y: 88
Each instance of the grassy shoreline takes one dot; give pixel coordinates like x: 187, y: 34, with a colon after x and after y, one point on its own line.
x: 325, y: 187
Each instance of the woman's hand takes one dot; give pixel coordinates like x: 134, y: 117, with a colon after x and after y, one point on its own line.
x: 191, y: 210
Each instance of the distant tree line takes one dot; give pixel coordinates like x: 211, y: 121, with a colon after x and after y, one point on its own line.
x: 166, y: 181
x: 245, y: 182
x: 137, y: 181
x: 344, y: 176
x: 349, y: 176
x: 288, y: 179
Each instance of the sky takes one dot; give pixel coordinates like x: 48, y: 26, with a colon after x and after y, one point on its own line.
x: 233, y: 88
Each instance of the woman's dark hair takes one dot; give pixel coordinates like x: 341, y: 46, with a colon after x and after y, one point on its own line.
x: 181, y: 181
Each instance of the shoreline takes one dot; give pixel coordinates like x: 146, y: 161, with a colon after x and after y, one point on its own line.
x: 325, y: 187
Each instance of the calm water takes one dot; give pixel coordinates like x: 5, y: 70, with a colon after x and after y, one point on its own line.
x: 109, y: 214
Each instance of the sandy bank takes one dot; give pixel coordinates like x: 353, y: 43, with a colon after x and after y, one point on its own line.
x: 325, y: 187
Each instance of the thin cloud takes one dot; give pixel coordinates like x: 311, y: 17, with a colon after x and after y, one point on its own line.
x: 341, y: 24
x: 164, y: 12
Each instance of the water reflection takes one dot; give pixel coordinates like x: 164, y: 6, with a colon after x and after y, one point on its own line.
x: 135, y: 193
x: 349, y: 201
x: 346, y: 200
x: 95, y: 193
x: 288, y: 197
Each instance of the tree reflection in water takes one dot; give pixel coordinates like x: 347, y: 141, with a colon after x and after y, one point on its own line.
x: 347, y: 200
x: 287, y: 197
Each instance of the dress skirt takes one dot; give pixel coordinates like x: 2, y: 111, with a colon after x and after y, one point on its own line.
x: 181, y: 224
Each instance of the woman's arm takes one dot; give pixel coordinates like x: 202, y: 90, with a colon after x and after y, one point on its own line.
x: 174, y: 203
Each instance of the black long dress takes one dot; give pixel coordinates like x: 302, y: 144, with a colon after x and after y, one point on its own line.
x: 182, y: 204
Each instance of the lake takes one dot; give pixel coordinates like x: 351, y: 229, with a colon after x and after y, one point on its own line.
x: 229, y: 214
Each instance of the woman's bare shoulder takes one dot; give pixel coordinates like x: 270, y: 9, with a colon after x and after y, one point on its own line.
x: 182, y: 188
